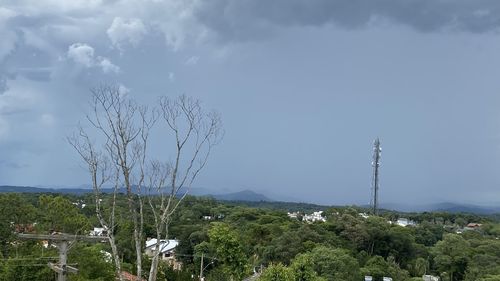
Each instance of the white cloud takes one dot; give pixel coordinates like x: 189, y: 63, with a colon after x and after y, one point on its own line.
x: 123, y: 31
x: 124, y: 91
x: 177, y: 21
x: 15, y: 105
x: 192, y: 60
x: 18, y: 99
x: 6, y: 14
x: 107, y: 66
x: 83, y: 54
x: 40, y: 6
x: 124, y: 23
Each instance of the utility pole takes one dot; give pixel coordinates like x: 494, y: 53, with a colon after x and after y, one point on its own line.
x: 202, y: 267
x: 63, y: 242
x: 377, y: 153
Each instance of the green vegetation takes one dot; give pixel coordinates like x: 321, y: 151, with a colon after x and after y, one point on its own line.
x: 235, y: 239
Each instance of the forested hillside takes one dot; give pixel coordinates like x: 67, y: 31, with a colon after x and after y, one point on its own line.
x: 235, y: 240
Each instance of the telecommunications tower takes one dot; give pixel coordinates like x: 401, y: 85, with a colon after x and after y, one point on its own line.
x: 377, y: 153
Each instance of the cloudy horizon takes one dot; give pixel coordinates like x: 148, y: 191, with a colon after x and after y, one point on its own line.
x: 303, y: 88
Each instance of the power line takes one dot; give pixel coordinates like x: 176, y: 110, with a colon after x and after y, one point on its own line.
x: 63, y: 243
x: 196, y: 256
x: 28, y: 259
x: 35, y: 264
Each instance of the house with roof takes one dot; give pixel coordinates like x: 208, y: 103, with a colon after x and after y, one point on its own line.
x: 471, y: 226
x: 364, y: 215
x: 293, y: 215
x: 315, y: 216
x: 167, y: 251
x: 98, y: 231
x: 474, y: 225
x: 430, y: 278
x: 404, y: 222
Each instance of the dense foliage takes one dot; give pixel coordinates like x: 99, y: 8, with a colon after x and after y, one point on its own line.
x: 237, y: 240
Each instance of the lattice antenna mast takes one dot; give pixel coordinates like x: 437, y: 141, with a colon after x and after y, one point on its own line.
x: 377, y: 153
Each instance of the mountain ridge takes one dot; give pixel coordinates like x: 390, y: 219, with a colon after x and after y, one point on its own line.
x: 248, y: 195
x: 244, y: 195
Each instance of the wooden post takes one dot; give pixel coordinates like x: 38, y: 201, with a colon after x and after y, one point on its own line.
x: 62, y: 268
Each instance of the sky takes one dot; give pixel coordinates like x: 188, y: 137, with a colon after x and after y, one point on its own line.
x: 303, y: 88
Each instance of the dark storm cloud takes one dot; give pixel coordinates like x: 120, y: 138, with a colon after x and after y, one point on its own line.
x: 298, y: 106
x: 3, y: 84
x: 234, y: 20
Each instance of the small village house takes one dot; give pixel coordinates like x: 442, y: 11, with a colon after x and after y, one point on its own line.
x: 167, y: 251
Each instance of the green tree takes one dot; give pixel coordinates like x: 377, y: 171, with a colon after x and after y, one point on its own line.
x: 428, y: 234
x: 277, y: 272
x: 29, y: 264
x: 332, y: 264
x: 451, y: 255
x: 490, y: 278
x: 25, y: 270
x: 485, y: 260
x: 379, y: 268
x: 228, y: 250
x: 303, y: 269
x: 418, y: 267
x: 93, y: 263
x: 59, y: 214
x: 14, y: 210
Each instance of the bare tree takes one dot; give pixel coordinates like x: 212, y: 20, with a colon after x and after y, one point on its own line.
x: 99, y: 169
x: 125, y: 127
x: 195, y: 133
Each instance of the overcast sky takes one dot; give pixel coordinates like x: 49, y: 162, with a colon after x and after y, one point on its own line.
x: 303, y: 87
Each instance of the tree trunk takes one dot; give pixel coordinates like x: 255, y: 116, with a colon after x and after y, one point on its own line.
x: 116, y: 257
x: 138, y: 252
x: 153, y: 272
x: 133, y: 213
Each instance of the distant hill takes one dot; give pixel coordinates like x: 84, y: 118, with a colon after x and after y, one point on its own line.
x: 31, y: 189
x: 259, y: 199
x: 245, y: 195
x: 444, y: 207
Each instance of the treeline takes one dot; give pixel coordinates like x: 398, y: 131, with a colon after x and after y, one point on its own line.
x: 235, y: 240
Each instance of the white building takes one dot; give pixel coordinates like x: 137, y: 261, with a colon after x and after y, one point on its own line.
x: 315, y: 216
x: 98, y: 231
x: 364, y: 215
x: 405, y: 222
x: 167, y: 251
x: 430, y: 278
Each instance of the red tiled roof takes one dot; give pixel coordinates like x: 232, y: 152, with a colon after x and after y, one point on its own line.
x: 129, y: 276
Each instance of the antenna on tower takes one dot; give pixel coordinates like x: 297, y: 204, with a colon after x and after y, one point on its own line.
x: 377, y: 153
